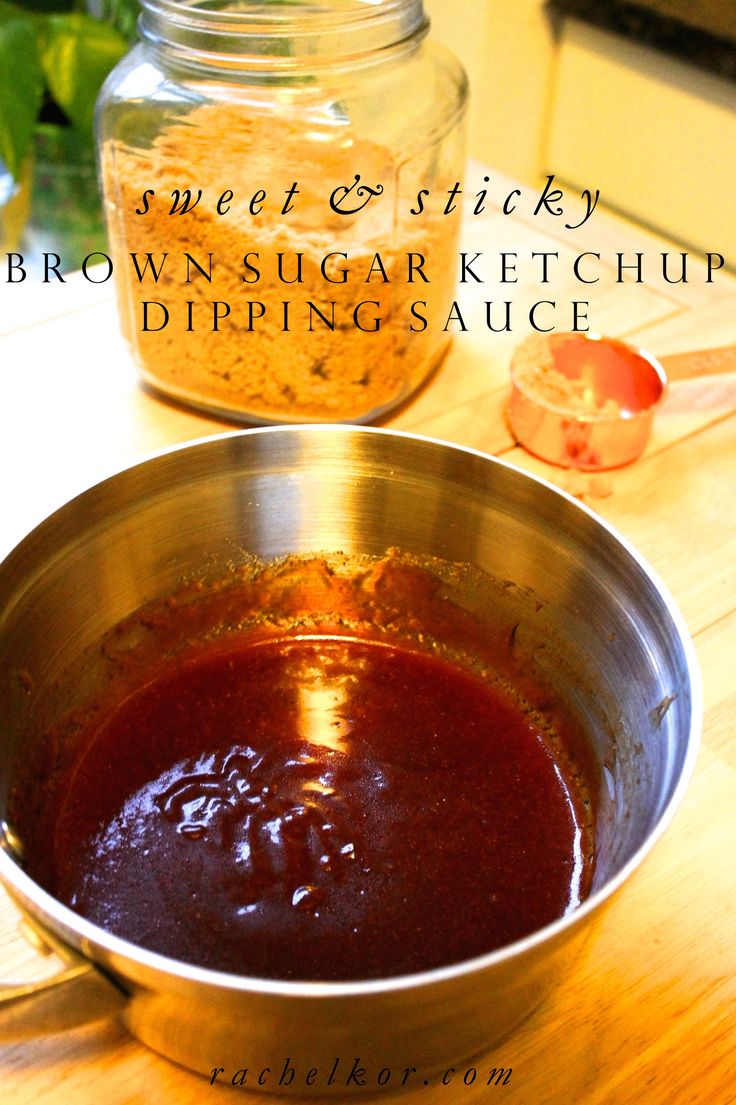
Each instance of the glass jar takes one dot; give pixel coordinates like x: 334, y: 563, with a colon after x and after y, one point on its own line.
x: 275, y: 179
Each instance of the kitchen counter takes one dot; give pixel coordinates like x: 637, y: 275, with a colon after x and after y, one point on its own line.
x: 648, y: 1013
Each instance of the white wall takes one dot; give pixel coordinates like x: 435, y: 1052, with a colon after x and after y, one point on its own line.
x: 656, y: 135
x: 508, y: 49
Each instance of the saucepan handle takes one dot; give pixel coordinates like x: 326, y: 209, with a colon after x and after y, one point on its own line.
x: 77, y: 994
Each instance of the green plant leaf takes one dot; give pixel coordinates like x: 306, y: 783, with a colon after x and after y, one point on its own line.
x: 123, y: 16
x: 77, y: 53
x: 21, y: 86
x: 46, y: 5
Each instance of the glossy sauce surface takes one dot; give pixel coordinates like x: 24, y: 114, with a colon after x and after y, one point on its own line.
x: 319, y: 808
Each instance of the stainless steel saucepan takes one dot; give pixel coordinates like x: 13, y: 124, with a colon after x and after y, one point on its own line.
x: 625, y: 663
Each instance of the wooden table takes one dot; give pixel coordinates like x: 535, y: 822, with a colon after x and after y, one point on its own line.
x: 648, y: 1015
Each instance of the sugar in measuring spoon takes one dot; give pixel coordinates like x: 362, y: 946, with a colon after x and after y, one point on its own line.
x: 586, y: 401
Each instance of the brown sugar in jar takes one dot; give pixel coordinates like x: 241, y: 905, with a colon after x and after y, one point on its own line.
x: 299, y: 285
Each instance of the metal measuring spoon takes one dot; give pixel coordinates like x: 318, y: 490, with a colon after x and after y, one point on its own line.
x: 586, y: 401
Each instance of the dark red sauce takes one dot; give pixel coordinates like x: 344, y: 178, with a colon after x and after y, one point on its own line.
x: 319, y: 808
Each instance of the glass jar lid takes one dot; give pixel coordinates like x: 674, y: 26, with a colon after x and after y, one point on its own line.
x: 283, y: 34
